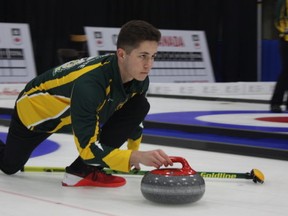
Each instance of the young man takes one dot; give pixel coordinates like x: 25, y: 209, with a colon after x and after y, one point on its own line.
x: 103, y: 100
x: 281, y: 87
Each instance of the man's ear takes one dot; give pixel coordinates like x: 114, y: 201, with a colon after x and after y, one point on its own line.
x: 121, y: 53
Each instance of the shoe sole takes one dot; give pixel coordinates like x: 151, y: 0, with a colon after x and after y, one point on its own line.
x: 84, y: 183
x: 76, y: 181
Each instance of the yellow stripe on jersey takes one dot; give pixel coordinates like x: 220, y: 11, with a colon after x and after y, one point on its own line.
x: 108, y: 89
x: 118, y: 160
x: 64, y: 121
x: 41, y: 107
x: 134, y: 144
x: 36, y: 108
x: 86, y: 153
x: 63, y: 80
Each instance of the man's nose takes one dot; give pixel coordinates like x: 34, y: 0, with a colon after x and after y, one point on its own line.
x: 149, y: 62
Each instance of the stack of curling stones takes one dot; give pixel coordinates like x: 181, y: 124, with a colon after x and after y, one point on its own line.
x: 173, y: 185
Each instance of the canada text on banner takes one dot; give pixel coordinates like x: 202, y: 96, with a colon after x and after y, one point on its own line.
x: 182, y: 56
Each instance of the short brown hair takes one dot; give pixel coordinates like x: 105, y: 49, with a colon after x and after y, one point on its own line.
x: 134, y: 32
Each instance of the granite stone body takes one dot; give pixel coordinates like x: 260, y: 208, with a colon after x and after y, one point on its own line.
x: 173, y: 186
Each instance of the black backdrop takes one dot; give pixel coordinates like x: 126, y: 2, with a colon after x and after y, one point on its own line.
x: 230, y: 26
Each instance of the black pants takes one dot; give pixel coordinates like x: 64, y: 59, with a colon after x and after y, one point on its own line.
x: 21, y: 142
x: 282, y: 82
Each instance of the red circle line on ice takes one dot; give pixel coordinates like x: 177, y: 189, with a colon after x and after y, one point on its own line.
x: 236, y: 119
x: 278, y: 119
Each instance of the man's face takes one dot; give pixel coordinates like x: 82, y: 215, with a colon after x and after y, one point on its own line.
x: 138, y: 63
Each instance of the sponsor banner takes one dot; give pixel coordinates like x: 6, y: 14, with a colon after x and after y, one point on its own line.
x: 10, y: 91
x: 182, y: 56
x: 16, y: 54
x: 212, y: 89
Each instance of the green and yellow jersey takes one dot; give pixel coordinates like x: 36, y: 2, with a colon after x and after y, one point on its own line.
x: 83, y: 94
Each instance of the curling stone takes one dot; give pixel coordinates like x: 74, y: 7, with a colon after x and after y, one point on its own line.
x: 173, y: 185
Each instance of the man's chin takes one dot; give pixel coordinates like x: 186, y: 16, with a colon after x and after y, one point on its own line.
x: 141, y: 78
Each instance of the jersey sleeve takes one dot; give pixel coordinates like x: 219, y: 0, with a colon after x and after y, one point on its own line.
x: 87, y: 99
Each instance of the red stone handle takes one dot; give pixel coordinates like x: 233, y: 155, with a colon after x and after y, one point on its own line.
x: 186, y: 169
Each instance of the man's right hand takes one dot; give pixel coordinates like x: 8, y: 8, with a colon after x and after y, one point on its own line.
x: 155, y: 158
